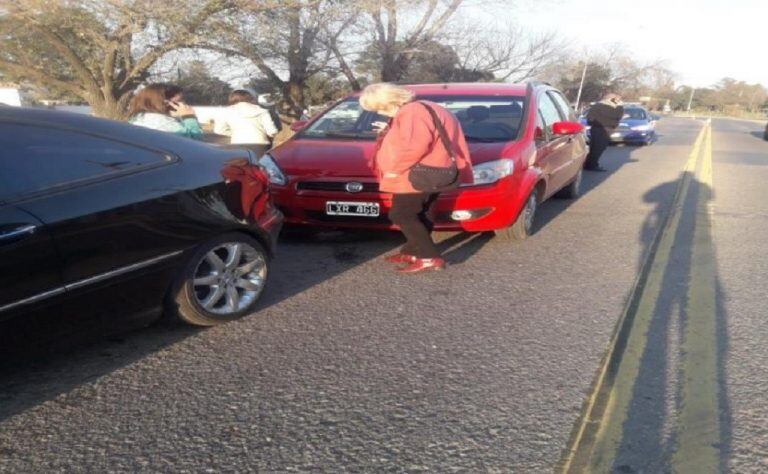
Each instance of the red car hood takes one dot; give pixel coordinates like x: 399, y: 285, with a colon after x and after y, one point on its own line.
x: 354, y: 159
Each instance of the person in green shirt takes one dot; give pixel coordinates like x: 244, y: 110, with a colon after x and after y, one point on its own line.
x: 150, y: 108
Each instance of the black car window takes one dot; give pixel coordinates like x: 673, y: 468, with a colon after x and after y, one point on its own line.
x: 34, y: 158
x: 549, y: 112
x: 566, y: 109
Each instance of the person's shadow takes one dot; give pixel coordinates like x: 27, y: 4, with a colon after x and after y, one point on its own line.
x: 649, y: 433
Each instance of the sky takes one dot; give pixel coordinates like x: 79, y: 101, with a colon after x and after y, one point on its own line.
x: 701, y: 40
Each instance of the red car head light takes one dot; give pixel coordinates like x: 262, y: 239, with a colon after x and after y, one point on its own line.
x: 492, y: 171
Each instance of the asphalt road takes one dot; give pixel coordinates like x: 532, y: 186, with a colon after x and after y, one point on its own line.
x: 350, y: 367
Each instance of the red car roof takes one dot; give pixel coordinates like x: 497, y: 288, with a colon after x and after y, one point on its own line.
x: 468, y: 88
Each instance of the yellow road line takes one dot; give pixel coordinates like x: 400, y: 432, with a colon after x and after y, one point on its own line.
x: 698, y: 439
x: 597, y: 435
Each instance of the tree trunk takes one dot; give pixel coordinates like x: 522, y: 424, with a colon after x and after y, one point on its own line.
x: 109, y: 107
x: 293, y: 92
x: 390, y: 72
x: 346, y: 69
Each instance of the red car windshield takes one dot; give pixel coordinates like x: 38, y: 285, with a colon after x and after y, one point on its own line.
x: 483, y: 119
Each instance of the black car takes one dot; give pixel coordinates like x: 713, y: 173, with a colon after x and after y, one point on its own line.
x: 122, y: 219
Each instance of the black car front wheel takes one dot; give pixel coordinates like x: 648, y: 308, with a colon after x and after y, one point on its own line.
x: 222, y: 281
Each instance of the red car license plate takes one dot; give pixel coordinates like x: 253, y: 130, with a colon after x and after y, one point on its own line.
x: 363, y: 209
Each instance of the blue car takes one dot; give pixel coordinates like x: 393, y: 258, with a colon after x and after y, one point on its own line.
x: 637, y: 127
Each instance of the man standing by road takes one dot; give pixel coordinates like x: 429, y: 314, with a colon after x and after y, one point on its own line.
x: 603, y: 118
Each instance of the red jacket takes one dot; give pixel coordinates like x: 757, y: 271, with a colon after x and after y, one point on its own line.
x: 412, y: 138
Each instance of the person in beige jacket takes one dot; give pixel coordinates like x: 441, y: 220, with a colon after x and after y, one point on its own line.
x: 246, y: 123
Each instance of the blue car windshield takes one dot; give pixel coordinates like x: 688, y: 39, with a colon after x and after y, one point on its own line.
x: 483, y: 119
x: 635, y: 114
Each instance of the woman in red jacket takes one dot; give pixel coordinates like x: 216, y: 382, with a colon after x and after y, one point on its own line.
x: 410, y: 138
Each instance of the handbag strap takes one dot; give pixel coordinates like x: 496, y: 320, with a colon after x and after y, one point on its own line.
x: 441, y: 131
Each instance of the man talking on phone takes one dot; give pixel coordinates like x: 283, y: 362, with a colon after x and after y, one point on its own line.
x: 603, y: 118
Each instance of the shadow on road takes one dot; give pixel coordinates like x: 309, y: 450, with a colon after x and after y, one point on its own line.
x: 653, y: 425
x: 758, y: 134
x: 459, y: 248
x: 614, y: 158
x: 51, y: 352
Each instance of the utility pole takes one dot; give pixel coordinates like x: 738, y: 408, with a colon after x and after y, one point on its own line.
x: 581, y: 86
x: 690, y: 99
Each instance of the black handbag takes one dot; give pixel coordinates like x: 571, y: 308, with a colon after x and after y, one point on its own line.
x: 436, y: 179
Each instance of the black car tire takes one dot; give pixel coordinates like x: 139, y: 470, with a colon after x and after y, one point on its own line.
x: 184, y: 299
x: 522, y: 228
x: 573, y: 189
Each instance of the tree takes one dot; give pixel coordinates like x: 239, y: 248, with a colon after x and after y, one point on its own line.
x: 612, y: 70
x: 438, y: 47
x: 597, y: 81
x: 98, y: 50
x: 395, y: 48
x: 506, y: 52
x: 322, y: 89
x: 431, y: 62
x: 200, y: 87
x: 279, y: 42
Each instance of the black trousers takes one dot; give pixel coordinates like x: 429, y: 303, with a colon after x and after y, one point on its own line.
x: 598, y: 142
x: 409, y: 212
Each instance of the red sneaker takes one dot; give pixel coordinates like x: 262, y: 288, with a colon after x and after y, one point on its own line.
x: 422, y: 264
x: 400, y: 258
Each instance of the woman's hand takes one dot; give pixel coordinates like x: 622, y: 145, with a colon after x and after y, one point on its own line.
x: 180, y: 109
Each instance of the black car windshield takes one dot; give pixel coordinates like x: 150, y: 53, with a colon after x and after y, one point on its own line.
x: 635, y: 114
x: 483, y: 119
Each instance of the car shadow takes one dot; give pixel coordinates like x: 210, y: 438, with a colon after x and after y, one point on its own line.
x: 49, y: 353
x: 53, y: 351
x: 614, y: 158
x: 460, y: 247
x: 758, y: 134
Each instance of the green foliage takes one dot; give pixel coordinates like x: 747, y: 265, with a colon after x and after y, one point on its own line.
x: 321, y: 89
x: 431, y: 62
x: 200, y: 87
x: 96, y: 50
x: 597, y: 81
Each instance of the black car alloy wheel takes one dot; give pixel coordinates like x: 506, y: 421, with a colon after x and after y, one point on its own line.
x: 222, y: 281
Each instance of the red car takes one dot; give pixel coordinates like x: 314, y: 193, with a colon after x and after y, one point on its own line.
x: 525, y: 145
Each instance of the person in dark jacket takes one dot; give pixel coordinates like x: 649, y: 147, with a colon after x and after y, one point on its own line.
x: 603, y: 118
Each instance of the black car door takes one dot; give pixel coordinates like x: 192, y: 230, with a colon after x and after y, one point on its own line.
x: 106, y: 203
x: 29, y: 264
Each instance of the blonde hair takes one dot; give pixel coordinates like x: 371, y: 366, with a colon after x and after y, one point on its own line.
x: 383, y: 95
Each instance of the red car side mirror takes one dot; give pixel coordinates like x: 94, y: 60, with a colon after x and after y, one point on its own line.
x: 298, y: 125
x: 567, y: 128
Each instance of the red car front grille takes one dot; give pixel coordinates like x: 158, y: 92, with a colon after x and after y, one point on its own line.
x: 336, y: 186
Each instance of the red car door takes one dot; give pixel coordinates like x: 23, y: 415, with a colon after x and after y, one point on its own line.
x: 554, y: 152
x: 576, y: 143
